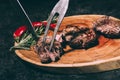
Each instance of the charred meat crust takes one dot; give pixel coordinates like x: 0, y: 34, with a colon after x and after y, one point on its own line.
x: 79, y: 37
x: 72, y: 30
x: 84, y: 40
x: 108, y: 27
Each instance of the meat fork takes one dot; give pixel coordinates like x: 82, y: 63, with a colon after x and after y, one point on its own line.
x: 60, y: 9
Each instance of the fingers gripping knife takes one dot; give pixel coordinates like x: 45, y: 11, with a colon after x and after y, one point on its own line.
x: 60, y: 8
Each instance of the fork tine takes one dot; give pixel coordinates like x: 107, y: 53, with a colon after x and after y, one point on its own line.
x: 56, y: 29
x: 49, y: 21
x: 47, y: 27
x: 61, y: 15
x: 60, y: 8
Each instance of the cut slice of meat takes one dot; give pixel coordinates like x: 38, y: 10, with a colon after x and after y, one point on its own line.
x: 79, y: 36
x: 72, y: 30
x: 45, y: 55
x: 84, y: 40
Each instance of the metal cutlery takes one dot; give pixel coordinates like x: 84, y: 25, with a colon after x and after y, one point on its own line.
x: 60, y: 9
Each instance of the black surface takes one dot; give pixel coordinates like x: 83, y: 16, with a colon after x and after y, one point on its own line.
x: 13, y: 68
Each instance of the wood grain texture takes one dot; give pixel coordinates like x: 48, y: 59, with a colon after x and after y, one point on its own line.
x: 103, y: 57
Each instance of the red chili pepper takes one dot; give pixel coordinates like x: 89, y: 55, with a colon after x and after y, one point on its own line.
x: 19, y: 31
x: 52, y: 26
x: 22, y: 29
x: 44, y: 23
x: 37, y: 24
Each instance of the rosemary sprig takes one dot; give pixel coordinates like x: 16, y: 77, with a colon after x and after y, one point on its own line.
x: 27, y: 40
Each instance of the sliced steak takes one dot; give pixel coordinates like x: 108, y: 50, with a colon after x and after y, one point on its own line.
x: 84, y: 40
x: 72, y: 30
x: 45, y: 55
x: 79, y: 36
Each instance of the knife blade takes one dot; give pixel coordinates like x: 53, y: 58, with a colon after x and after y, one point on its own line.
x: 29, y: 25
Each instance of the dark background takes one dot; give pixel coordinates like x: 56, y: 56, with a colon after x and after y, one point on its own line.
x: 13, y: 68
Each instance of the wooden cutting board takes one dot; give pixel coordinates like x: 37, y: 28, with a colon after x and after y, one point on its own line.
x: 103, y: 57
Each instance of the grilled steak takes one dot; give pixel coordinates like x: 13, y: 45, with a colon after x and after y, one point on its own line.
x: 45, y: 55
x: 79, y: 36
x: 108, y: 27
x: 84, y: 40
x: 72, y: 30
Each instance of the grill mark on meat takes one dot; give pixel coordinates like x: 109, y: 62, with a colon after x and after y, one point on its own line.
x: 79, y: 36
x: 71, y: 30
x: 84, y: 40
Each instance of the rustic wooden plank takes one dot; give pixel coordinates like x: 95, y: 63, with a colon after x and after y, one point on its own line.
x: 105, y: 56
